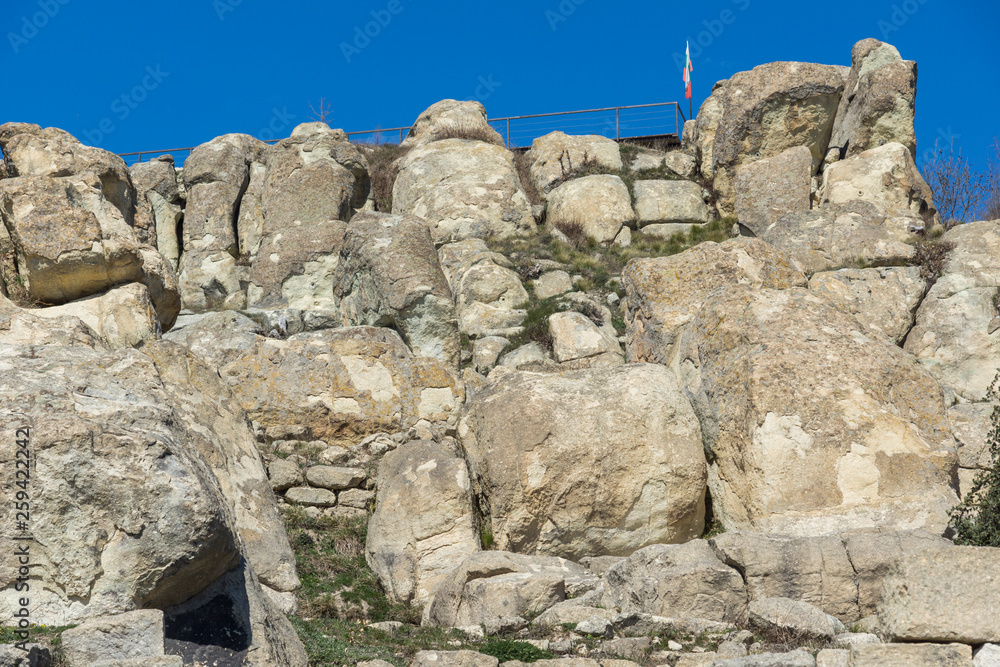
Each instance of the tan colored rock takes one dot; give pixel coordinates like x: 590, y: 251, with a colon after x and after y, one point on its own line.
x: 769, y: 109
x: 453, y: 659
x: 133, y: 634
x: 810, y: 425
x: 462, y: 189
x: 884, y: 300
x: 156, y: 181
x: 600, y: 204
x: 491, y: 585
x: 342, y: 384
x: 295, y: 267
x: 335, y: 478
x: 443, y: 119
x: 971, y: 423
x: 942, y: 595
x: 557, y: 477
x: 682, y: 164
x: 557, y: 155
x: 677, y: 580
x: 706, y: 124
x: 664, y: 293
x: 389, y: 274
x: 423, y: 524
x: 887, y: 177
x: 954, y: 337
x: 310, y: 497
x: 121, y: 317
x: 878, y: 104
x: 222, y: 337
x: 669, y: 202
x: 575, y: 336
x: 800, y: 619
x: 486, y: 352
x: 911, y: 655
x: 490, y: 284
x: 552, y: 283
x: 284, y: 474
x: 458, y: 257
x: 479, y: 319
x: 767, y: 189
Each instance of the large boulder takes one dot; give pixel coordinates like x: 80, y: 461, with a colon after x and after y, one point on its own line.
x: 121, y: 317
x: 911, y: 655
x: 770, y: 188
x: 492, y: 585
x: 389, y: 275
x: 556, y: 155
x: 884, y: 300
x: 462, y: 189
x: 955, y: 337
x: 811, y: 425
x: 449, y: 118
x: 943, y: 595
x: 677, y: 581
x: 294, y: 267
x: 664, y: 293
x: 599, y: 205
x: 887, y: 177
x: 706, y: 124
x: 586, y: 463
x: 156, y: 181
x: 423, y: 522
x: 771, y: 108
x: 216, y: 176
x: 669, y: 202
x: 879, y: 100
x: 342, y: 385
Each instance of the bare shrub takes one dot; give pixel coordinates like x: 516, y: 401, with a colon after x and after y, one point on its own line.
x: 991, y: 198
x: 956, y: 185
x: 522, y: 162
x: 470, y: 131
x: 383, y: 167
x: 322, y: 111
x: 573, y: 230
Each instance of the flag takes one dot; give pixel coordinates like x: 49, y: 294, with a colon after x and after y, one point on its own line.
x: 688, y: 68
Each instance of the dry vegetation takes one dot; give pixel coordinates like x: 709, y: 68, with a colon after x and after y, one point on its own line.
x: 961, y: 193
x: 383, y: 167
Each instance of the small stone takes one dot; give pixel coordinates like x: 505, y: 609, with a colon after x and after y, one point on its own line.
x: 335, y: 478
x: 357, y: 498
x: 310, y: 497
x: 597, y: 626
x: 283, y: 474
x: 552, y: 283
x: 674, y: 646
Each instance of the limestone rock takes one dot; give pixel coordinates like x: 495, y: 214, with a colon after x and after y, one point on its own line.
x: 552, y: 283
x: 222, y: 337
x: 987, y: 656
x: 586, y: 463
x: 812, y: 426
x: 335, y: 478
x: 911, y: 655
x: 682, y: 164
x: 685, y: 580
x: 156, y: 181
x: 943, y: 595
x: 669, y: 202
x: 295, y: 267
x: 801, y: 619
x: 953, y: 337
x: 767, y: 189
x: 797, y: 658
x: 453, y: 658
x: 462, y: 189
x: 884, y: 300
x: 479, y: 319
x: 32, y: 655
x: 121, y: 317
x: 442, y: 119
x: 458, y: 257
x: 557, y: 155
x: 771, y: 108
x: 423, y: 522
x: 490, y: 284
x: 486, y: 352
x: 706, y: 124
x: 284, y: 474
x: 134, y: 634
x: 600, y: 204
x: 664, y: 293
x: 341, y: 384
x: 887, y: 177
x: 490, y: 585
x: 971, y: 424
x: 389, y: 275
x: 310, y: 497
x: 878, y: 103
x: 575, y: 336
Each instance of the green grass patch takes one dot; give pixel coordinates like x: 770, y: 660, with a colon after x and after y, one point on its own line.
x: 510, y: 649
x: 47, y: 635
x: 336, y: 642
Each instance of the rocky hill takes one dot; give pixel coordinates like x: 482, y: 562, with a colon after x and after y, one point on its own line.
x: 593, y: 405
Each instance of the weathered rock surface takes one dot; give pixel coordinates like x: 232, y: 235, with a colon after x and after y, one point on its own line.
x: 679, y: 580
x: 295, y: 266
x: 600, y: 204
x: 664, y: 293
x: 669, y: 202
x: 812, y: 426
x: 911, y: 655
x: 954, y: 337
x: 586, y: 463
x: 800, y: 619
x: 575, y: 336
x: 557, y: 155
x: 121, y: 317
x: 943, y: 595
x: 462, y: 189
x: 884, y: 300
x: 134, y: 634
x: 156, y: 181
x: 879, y: 100
x: 453, y: 659
x: 389, y: 275
x: 770, y: 188
x: 771, y: 108
x: 491, y: 585
x: 443, y: 119
x: 423, y: 523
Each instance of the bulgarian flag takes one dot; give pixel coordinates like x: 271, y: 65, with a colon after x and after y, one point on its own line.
x: 688, y: 68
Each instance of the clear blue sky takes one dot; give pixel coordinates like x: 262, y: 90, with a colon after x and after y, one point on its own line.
x: 208, y: 67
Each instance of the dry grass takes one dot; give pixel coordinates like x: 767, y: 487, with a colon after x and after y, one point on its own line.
x: 468, y: 131
x: 11, y: 284
x: 383, y: 167
x: 522, y: 162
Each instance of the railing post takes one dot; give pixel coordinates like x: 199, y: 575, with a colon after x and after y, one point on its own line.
x: 617, y: 129
x: 508, y: 133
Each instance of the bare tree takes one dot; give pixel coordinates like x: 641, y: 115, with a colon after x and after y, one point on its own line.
x: 990, y: 209
x: 958, y: 188
x: 323, y: 112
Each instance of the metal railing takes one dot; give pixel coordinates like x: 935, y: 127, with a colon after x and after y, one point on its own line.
x: 619, y: 123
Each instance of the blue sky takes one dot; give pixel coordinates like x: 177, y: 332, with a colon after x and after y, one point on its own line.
x: 148, y: 74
